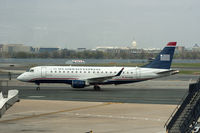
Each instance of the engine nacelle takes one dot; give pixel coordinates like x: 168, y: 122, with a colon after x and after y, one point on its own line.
x: 78, y: 83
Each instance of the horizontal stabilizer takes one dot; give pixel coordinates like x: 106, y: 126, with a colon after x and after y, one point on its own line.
x: 170, y: 71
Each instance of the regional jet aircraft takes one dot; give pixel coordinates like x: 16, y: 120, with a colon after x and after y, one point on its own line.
x: 83, y: 76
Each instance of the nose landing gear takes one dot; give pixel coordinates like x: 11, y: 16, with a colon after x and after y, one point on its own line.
x: 38, y: 86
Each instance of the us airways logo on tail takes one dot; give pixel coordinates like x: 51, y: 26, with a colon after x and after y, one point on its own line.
x: 165, y: 57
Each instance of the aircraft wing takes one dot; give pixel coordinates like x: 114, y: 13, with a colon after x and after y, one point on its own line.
x: 101, y: 79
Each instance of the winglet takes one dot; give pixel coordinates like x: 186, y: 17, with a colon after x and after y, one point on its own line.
x: 119, y: 73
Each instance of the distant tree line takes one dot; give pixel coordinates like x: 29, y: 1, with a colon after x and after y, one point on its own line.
x: 71, y: 54
x: 187, y: 55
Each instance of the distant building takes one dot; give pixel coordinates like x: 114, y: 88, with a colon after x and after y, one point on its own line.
x: 111, y: 49
x: 180, y: 49
x: 81, y: 49
x: 48, y: 49
x: 152, y: 50
x: 10, y: 48
x: 1, y: 47
x: 127, y: 50
x: 196, y: 48
x: 35, y: 49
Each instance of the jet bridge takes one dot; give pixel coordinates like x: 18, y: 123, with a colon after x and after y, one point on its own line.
x: 7, y: 97
x: 186, y: 114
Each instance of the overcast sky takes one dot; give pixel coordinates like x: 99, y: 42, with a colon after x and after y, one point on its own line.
x: 91, y: 23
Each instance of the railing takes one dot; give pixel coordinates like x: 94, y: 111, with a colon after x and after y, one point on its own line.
x: 177, y: 107
x: 194, y: 115
x: 193, y: 94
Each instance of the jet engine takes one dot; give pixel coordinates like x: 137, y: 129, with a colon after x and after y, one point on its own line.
x: 78, y: 84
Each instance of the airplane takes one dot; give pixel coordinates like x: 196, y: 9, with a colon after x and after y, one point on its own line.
x: 83, y: 76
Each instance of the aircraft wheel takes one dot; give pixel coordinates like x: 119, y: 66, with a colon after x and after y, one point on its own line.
x: 38, y: 88
x: 97, y: 88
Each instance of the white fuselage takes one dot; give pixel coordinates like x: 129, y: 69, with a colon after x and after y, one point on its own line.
x: 66, y: 74
x: 82, y: 76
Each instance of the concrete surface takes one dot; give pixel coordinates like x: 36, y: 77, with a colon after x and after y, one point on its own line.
x: 34, y: 116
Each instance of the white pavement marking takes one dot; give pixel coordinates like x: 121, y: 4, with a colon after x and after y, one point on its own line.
x: 36, y: 96
x: 114, y: 117
x: 25, y: 113
x: 93, y: 115
x: 161, y: 132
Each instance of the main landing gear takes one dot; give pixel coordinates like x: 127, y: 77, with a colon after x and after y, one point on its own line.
x: 97, y: 88
x: 38, y: 86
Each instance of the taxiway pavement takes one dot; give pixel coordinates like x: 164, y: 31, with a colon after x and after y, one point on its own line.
x: 58, y: 108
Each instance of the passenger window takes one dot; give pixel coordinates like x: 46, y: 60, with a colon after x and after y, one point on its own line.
x: 31, y: 70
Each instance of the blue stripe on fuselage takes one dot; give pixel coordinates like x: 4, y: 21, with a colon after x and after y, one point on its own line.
x: 101, y: 83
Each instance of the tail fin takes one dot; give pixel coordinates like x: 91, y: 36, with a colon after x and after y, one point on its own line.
x: 164, y: 59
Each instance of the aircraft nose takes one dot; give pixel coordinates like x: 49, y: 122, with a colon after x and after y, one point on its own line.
x: 21, y: 77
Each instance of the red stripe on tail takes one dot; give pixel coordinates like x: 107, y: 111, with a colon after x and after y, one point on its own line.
x: 171, y: 44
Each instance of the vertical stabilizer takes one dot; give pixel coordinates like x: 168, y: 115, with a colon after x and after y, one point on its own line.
x: 164, y: 59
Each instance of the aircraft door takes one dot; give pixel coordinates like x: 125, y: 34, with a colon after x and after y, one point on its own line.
x: 138, y: 73
x: 43, y: 72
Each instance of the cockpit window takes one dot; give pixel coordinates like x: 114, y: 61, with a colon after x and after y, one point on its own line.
x: 30, y: 70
